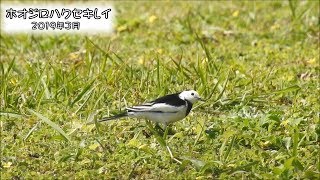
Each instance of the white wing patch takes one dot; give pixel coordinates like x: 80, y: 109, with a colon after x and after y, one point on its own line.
x: 158, y: 107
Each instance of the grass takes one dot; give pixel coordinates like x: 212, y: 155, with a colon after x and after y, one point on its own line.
x: 257, y: 64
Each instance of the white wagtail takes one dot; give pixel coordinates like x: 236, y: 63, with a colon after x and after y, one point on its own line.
x: 165, y: 110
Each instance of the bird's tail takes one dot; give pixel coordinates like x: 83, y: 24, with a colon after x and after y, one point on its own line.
x: 121, y: 115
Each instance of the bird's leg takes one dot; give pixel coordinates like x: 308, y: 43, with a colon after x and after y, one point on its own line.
x: 165, y: 125
x: 162, y: 130
x: 158, y: 127
x: 169, y: 129
x: 159, y: 130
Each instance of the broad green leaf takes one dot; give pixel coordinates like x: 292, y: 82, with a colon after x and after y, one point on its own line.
x: 288, y: 163
x: 211, y: 165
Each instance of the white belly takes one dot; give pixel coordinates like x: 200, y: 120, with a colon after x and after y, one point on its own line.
x: 161, y: 117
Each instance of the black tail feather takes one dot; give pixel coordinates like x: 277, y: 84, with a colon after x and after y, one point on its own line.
x: 121, y: 115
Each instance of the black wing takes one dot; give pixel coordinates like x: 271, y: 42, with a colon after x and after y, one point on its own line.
x: 171, y: 99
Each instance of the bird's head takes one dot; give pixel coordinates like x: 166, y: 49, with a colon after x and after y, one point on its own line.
x: 191, y: 96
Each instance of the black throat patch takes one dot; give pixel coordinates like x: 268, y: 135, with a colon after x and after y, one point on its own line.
x: 189, y: 106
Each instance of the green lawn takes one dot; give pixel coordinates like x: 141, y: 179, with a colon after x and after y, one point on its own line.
x: 257, y: 63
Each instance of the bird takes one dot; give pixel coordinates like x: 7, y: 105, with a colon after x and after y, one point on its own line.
x: 166, y: 110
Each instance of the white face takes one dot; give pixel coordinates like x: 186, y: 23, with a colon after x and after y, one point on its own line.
x: 191, y: 96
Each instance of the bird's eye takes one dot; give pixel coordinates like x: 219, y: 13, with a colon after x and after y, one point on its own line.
x: 192, y: 94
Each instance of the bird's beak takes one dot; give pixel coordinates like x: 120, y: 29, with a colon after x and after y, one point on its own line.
x: 200, y: 99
